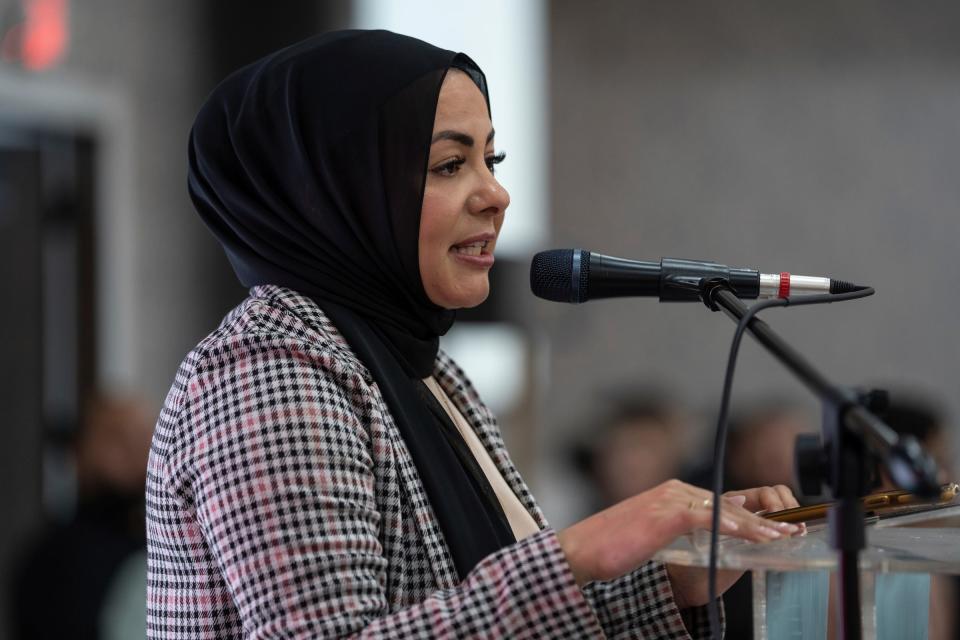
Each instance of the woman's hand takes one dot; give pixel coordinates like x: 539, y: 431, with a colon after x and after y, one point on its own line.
x: 766, y: 499
x: 689, y: 584
x: 617, y: 540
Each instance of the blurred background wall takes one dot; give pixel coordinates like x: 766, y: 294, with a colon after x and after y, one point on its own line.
x: 818, y: 137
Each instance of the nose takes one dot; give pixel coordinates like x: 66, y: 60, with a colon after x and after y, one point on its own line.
x: 489, y: 198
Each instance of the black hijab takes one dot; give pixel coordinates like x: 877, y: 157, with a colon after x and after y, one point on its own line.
x: 309, y: 167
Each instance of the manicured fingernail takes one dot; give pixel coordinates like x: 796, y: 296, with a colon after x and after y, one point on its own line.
x: 772, y: 533
x: 730, y: 524
x: 738, y: 500
x: 786, y: 526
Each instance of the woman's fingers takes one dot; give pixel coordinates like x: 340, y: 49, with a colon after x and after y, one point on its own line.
x: 757, y: 529
x: 620, y: 538
x: 738, y: 501
x: 767, y: 499
x: 737, y: 517
x: 786, y: 496
x: 739, y: 522
x: 770, y: 499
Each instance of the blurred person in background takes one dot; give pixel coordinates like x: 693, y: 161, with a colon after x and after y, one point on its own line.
x: 912, y: 414
x: 86, y: 578
x: 640, y: 442
x: 760, y: 445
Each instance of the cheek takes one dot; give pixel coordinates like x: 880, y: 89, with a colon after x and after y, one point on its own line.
x: 436, y: 235
x: 434, y: 227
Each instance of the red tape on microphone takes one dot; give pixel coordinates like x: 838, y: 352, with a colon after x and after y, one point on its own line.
x: 784, y: 291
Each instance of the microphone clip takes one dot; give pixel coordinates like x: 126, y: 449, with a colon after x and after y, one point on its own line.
x: 682, y: 280
x: 707, y: 289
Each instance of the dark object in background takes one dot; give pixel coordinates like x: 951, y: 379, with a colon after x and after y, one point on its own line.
x: 48, y: 200
x: 70, y: 573
x: 63, y: 582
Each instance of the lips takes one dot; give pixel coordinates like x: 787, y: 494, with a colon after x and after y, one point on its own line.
x: 475, y: 251
x: 474, y: 245
x: 471, y: 249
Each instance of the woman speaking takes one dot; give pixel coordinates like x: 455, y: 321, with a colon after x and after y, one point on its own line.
x: 320, y: 469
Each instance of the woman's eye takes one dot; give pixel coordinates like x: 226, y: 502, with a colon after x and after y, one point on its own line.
x: 494, y: 160
x: 452, y: 167
x: 449, y: 168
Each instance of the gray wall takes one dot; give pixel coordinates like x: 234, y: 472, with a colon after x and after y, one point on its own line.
x: 154, y: 56
x: 818, y: 138
x: 162, y: 59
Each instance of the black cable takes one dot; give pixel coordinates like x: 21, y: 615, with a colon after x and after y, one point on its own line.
x: 720, y: 444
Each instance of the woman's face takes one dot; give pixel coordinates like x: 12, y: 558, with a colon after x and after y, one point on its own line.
x: 463, y: 204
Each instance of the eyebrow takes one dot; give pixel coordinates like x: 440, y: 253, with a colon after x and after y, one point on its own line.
x: 458, y: 136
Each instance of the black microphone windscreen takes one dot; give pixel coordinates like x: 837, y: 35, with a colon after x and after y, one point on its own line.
x: 552, y: 275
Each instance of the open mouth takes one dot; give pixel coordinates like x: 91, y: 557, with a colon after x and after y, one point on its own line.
x: 472, y: 248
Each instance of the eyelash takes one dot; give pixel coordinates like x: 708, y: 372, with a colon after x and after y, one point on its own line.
x: 449, y: 169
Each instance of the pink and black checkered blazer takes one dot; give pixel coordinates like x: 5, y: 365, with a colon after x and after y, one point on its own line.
x: 282, y: 503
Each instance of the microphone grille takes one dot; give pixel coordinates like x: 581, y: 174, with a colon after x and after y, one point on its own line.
x: 555, y: 276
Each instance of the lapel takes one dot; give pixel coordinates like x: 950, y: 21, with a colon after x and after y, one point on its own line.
x: 455, y: 384
x: 440, y: 560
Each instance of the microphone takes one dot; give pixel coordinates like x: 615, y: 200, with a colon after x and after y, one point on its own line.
x: 576, y: 275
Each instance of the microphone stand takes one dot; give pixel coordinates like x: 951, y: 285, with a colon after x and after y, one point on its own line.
x: 855, y: 439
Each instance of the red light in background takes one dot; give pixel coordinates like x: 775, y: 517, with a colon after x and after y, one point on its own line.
x: 41, y: 39
x: 45, y: 38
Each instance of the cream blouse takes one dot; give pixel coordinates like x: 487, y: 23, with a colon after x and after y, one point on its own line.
x: 521, y: 522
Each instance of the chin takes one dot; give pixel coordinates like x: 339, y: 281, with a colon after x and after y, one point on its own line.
x: 468, y: 303
x: 467, y: 299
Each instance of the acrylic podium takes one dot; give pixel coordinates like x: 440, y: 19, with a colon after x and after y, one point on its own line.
x: 791, y: 577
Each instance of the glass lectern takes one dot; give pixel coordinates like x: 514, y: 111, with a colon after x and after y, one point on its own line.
x: 791, y: 577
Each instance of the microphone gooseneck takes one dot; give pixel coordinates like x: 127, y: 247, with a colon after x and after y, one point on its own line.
x: 577, y: 275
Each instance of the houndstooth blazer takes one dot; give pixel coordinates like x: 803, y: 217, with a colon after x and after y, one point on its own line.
x: 282, y: 503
